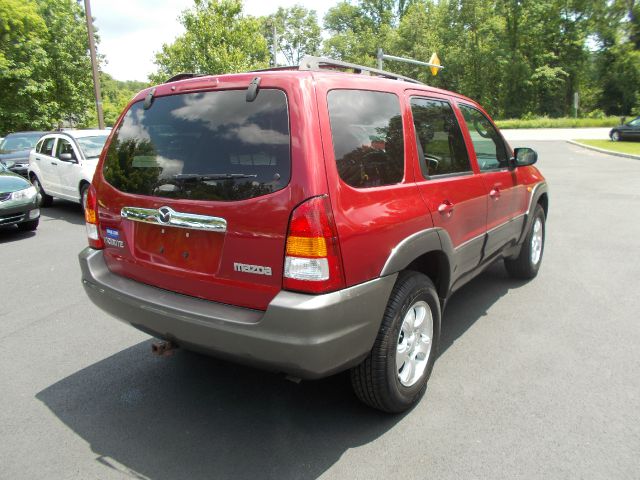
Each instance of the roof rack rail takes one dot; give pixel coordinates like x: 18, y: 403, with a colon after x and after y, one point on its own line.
x: 317, y: 63
x: 184, y: 76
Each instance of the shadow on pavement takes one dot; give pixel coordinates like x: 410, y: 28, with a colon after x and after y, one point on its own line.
x: 194, y: 417
x: 11, y: 233
x: 191, y: 416
x: 63, y: 210
x: 471, y: 302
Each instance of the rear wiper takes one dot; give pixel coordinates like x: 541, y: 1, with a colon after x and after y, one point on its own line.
x: 212, y: 176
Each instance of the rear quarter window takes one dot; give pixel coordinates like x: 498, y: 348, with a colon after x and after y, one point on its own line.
x: 203, y: 146
x: 368, y: 140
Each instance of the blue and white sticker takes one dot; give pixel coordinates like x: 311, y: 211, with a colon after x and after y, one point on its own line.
x: 113, y: 233
x: 113, y: 238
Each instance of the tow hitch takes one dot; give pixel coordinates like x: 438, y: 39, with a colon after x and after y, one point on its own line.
x: 163, y: 349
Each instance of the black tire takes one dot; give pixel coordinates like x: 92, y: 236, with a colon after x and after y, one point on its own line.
x: 29, y: 226
x: 44, y: 199
x: 376, y: 380
x: 83, y: 196
x: 523, y: 267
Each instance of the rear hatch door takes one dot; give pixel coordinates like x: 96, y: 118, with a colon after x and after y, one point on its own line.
x: 196, y: 196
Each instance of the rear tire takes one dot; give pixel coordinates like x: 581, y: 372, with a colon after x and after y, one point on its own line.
x: 526, y: 265
x: 408, y: 336
x: 29, y: 226
x: 44, y: 200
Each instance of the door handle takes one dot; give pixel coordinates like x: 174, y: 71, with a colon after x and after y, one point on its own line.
x: 446, y: 208
x: 54, y: 164
x: 495, y: 193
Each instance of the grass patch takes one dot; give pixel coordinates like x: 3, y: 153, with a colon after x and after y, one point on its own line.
x: 563, y: 122
x: 621, y: 147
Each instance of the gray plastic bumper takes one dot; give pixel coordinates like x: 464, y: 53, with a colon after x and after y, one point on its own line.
x: 310, y: 336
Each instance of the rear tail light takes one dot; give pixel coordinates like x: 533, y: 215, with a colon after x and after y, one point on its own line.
x: 312, y: 261
x: 91, y: 218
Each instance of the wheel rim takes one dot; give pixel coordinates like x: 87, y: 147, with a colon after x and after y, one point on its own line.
x: 536, y: 241
x: 615, y: 137
x: 414, y: 344
x: 83, y: 199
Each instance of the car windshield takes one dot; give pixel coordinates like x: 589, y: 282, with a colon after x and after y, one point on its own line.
x: 17, y: 142
x: 92, y: 146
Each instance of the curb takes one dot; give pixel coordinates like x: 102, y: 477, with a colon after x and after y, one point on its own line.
x: 602, y: 150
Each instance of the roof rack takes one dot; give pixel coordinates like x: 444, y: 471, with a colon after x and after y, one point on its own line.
x: 317, y: 63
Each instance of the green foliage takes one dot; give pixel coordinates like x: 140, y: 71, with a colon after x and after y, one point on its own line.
x: 116, y: 94
x: 218, y: 39
x: 530, y: 121
x: 23, y: 62
x: 45, y: 74
x: 513, y: 56
x: 297, y: 32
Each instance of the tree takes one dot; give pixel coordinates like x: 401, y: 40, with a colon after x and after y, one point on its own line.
x: 45, y: 71
x: 23, y: 62
x: 69, y: 65
x: 218, y: 39
x: 116, y: 94
x: 298, y: 32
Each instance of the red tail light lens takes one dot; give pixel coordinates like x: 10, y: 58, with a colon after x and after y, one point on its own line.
x: 91, y: 219
x: 313, y: 263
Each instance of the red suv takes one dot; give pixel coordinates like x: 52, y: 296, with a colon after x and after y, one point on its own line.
x: 307, y: 220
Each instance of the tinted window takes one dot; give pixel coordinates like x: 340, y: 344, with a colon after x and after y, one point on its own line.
x: 47, y: 146
x: 487, y: 142
x: 92, y: 146
x: 64, y: 147
x: 205, y: 146
x: 441, y: 146
x: 367, y: 137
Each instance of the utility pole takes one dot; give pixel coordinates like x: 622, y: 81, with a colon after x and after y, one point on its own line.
x: 275, y: 44
x: 94, y: 64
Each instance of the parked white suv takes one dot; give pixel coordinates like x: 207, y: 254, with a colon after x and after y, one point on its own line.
x: 62, y: 164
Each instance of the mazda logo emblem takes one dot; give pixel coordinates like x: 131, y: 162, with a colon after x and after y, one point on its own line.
x: 164, y: 214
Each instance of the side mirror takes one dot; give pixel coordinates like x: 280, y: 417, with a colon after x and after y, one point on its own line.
x: 67, y: 157
x: 524, y: 156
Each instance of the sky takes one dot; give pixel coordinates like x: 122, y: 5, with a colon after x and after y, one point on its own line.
x: 131, y: 31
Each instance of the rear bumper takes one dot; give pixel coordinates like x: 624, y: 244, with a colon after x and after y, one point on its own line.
x: 309, y: 336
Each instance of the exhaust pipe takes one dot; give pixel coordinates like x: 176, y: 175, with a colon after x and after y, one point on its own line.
x: 163, y: 349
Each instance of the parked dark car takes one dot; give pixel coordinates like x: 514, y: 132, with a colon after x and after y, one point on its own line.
x: 15, y: 148
x: 626, y: 131
x: 18, y: 201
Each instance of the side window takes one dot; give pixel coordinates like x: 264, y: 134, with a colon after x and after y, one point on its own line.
x: 47, y: 146
x: 487, y: 142
x: 368, y: 140
x: 441, y: 146
x: 39, y: 146
x: 64, y: 146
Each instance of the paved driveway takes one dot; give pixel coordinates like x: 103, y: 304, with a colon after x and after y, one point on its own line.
x: 535, y: 380
x: 548, y: 134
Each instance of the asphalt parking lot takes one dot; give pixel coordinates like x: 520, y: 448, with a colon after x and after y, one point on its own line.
x: 535, y: 380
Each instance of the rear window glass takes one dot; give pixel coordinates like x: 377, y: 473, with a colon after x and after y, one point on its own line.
x: 203, y: 146
x: 367, y: 137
